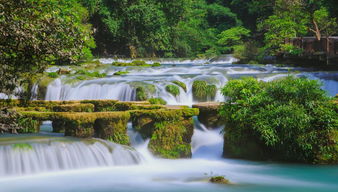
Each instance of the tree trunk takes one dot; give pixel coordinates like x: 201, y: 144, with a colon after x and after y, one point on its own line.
x: 316, y: 30
x: 327, y: 50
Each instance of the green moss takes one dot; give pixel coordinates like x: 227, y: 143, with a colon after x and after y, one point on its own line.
x: 22, y: 146
x: 156, y: 64
x: 202, y: 91
x: 170, y: 131
x: 181, y: 84
x: 41, y: 116
x: 121, y: 73
x: 141, y: 94
x: 113, y: 127
x: 102, y: 105
x: 172, y: 89
x: 78, y: 107
x: 85, y: 75
x: 137, y: 63
x: 53, y: 75
x: 40, y: 109
x: 167, y: 140
x: 143, y: 90
x: 165, y: 114
x: 157, y: 101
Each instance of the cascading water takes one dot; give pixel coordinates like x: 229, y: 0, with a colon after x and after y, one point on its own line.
x: 123, y: 88
x: 157, y: 174
x: 36, y: 156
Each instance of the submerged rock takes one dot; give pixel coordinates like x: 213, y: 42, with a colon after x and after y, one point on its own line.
x: 219, y: 180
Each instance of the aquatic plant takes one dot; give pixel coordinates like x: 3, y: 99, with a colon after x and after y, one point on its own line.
x: 172, y: 89
x: 289, y: 119
x: 181, y: 84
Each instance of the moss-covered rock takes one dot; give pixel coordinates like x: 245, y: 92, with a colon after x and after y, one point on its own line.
x: 29, y: 125
x: 77, y: 107
x: 157, y: 101
x: 172, y: 89
x: 102, y: 105
x: 53, y: 75
x: 156, y: 64
x: 59, y: 126
x: 113, y: 127
x: 202, y: 91
x: 137, y: 63
x: 219, y: 180
x: 121, y: 73
x: 143, y: 90
x: 141, y: 94
x: 209, y: 114
x: 42, y: 86
x: 181, y: 84
x: 170, y: 131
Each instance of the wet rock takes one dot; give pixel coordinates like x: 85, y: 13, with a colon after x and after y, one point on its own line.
x: 209, y: 114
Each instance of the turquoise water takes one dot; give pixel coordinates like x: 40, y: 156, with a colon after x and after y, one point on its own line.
x: 155, y: 174
x: 177, y: 176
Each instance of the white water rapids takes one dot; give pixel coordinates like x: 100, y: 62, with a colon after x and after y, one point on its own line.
x: 123, y: 88
x: 37, y: 157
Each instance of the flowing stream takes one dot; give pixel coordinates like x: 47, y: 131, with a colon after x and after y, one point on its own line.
x: 53, y: 163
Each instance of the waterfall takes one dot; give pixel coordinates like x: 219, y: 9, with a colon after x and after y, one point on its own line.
x: 37, y: 157
x: 216, y: 72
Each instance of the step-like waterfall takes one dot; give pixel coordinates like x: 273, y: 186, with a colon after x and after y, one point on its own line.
x: 36, y: 157
x: 123, y: 87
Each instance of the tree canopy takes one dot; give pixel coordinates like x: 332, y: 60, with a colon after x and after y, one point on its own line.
x: 35, y: 33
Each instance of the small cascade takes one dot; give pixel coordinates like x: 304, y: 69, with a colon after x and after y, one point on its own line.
x: 54, y: 155
x: 206, y: 143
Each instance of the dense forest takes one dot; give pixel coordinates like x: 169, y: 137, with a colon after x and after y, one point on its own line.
x: 34, y: 33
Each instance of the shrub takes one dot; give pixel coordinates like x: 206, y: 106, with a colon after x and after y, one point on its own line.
x: 181, y: 84
x: 289, y: 119
x: 172, y: 89
x: 157, y: 101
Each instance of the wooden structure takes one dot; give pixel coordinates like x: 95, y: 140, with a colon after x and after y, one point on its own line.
x: 313, y: 47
